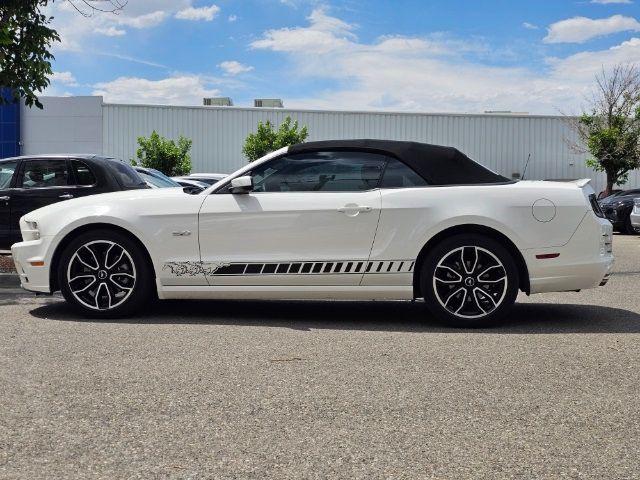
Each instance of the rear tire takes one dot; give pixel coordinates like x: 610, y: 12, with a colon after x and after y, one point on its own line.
x: 469, y: 280
x: 104, y: 273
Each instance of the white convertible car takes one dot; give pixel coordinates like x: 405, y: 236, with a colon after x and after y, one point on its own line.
x: 351, y: 219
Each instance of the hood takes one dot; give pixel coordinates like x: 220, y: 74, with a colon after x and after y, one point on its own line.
x: 110, y: 201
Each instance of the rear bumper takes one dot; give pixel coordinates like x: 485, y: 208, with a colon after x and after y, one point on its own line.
x: 32, y: 278
x: 586, y: 261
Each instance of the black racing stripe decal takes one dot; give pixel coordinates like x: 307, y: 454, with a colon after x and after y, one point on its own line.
x: 191, y: 268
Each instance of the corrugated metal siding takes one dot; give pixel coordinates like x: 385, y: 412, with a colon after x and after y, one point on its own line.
x: 501, y: 142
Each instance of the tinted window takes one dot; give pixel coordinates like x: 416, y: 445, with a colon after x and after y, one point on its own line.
x: 45, y: 174
x: 84, y: 175
x: 399, y: 175
x: 126, y: 175
x: 6, y: 173
x: 320, y: 172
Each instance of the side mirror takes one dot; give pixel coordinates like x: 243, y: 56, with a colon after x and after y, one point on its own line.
x: 241, y: 185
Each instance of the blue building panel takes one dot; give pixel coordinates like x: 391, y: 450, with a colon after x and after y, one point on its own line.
x: 9, y: 126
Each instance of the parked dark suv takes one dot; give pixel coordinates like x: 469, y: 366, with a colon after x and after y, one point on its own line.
x: 28, y: 183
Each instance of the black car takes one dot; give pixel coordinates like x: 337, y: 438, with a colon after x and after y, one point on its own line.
x: 617, y: 208
x: 31, y: 182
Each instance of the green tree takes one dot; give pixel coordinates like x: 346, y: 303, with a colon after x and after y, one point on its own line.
x: 267, y: 139
x: 26, y: 38
x: 610, y: 131
x: 25, y: 41
x: 164, y: 155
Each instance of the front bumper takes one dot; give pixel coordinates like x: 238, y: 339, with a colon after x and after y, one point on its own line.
x: 616, y: 215
x: 25, y: 254
x: 635, y: 221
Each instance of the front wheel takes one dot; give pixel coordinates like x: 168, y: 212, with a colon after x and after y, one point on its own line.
x: 628, y: 227
x: 469, y: 280
x: 104, y: 273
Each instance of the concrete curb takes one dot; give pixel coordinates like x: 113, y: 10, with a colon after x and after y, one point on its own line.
x: 9, y: 280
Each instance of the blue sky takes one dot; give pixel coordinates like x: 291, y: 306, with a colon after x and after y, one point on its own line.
x: 427, y: 56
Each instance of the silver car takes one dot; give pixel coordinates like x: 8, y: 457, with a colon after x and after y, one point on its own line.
x: 635, y: 215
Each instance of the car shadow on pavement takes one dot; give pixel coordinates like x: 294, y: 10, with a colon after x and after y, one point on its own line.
x: 525, y: 318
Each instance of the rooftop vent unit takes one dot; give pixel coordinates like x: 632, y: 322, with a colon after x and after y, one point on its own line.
x: 218, y: 102
x: 268, y: 103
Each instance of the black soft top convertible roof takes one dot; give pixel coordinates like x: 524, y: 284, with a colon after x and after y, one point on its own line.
x: 438, y: 165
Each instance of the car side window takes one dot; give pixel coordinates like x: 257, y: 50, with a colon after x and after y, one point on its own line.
x: 84, y: 175
x: 6, y: 173
x: 399, y: 175
x: 328, y: 171
x: 45, y: 174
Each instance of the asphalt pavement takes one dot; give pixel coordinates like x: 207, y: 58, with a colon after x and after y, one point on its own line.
x: 229, y: 389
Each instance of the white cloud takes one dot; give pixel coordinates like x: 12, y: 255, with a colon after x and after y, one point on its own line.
x: 64, y: 78
x: 530, y: 26
x: 232, y: 18
x: 177, y: 90
x: 202, y: 13
x: 430, y: 74
x: 581, y: 29
x: 233, y: 67
x: 608, y: 2
x: 324, y: 34
x: 110, y: 31
x: 298, y: 3
x: 144, y: 21
x: 76, y: 32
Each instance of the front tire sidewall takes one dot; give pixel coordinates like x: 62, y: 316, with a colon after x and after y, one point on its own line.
x: 442, y: 249
x: 142, y: 290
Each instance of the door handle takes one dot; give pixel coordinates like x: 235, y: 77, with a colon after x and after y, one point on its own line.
x: 6, y: 198
x: 353, y: 210
x: 66, y: 196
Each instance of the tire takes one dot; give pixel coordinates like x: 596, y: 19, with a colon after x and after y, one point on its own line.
x: 104, y: 273
x: 469, y: 281
x: 628, y: 228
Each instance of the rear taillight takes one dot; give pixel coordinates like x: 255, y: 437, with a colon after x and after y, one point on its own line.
x: 596, y: 206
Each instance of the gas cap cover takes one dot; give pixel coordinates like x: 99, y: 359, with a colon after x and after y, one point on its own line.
x: 544, y: 210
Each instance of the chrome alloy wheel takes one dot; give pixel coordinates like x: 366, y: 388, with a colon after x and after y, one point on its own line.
x: 101, y: 275
x: 470, y: 282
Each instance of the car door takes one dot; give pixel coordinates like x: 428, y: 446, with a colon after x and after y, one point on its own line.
x: 310, y: 220
x: 41, y: 182
x: 7, y: 179
x: 86, y: 180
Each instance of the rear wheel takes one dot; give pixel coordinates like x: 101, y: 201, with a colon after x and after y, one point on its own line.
x: 104, y: 273
x: 469, y: 281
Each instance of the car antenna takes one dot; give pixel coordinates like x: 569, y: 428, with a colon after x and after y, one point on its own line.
x: 525, y: 166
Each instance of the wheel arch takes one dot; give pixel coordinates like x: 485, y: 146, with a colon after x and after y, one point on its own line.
x: 523, y: 271
x: 73, y: 234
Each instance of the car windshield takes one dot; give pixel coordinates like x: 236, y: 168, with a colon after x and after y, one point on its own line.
x: 158, y: 181
x: 608, y: 197
x: 207, y: 180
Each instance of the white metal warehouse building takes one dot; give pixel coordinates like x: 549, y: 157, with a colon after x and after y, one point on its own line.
x: 500, y: 141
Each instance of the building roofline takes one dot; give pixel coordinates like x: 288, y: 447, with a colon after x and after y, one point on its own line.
x: 352, y: 112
